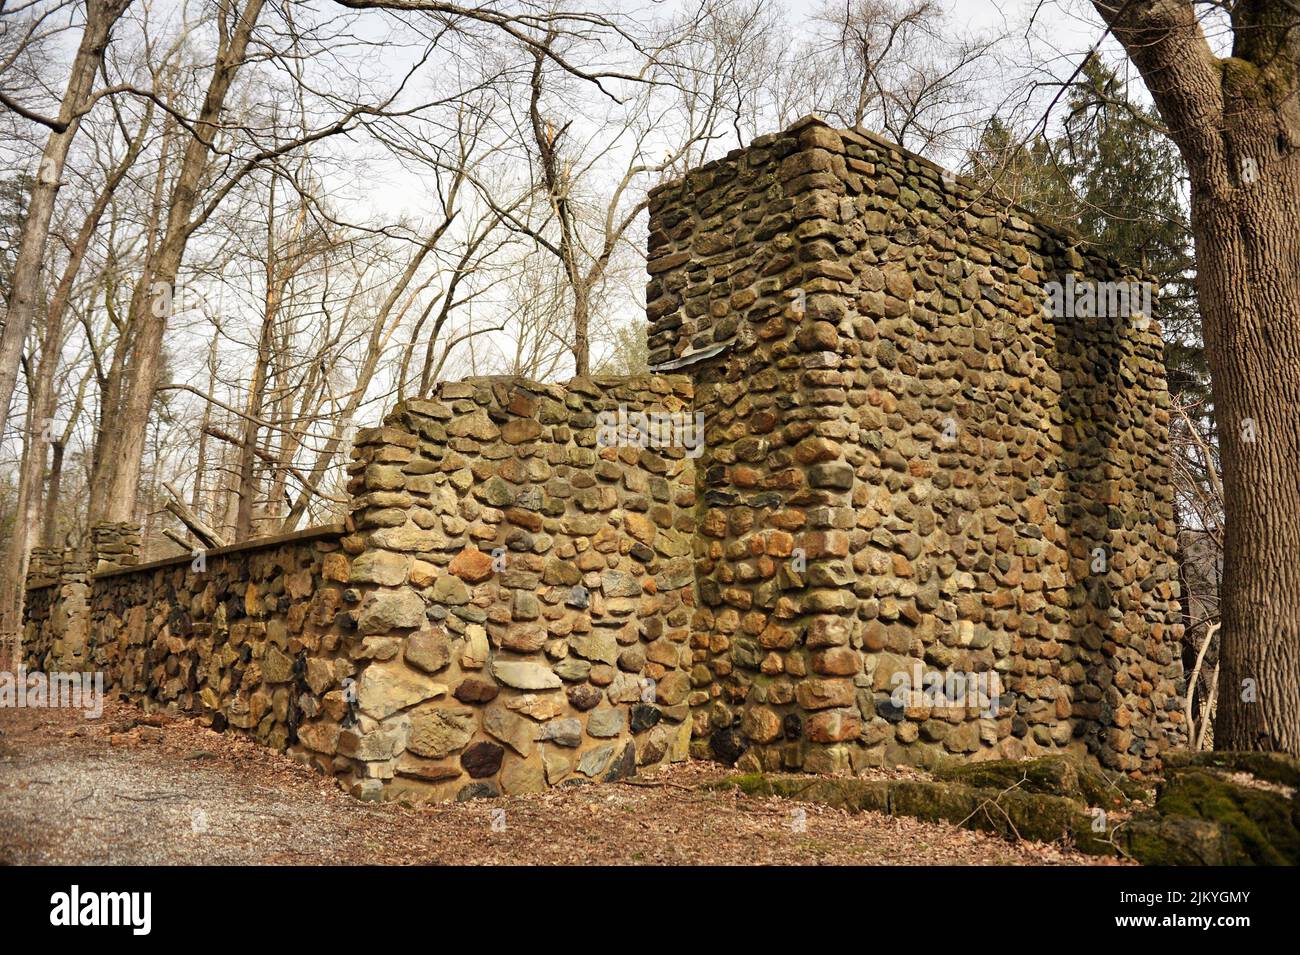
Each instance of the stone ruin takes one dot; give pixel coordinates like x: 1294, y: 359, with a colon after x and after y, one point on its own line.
x: 871, y: 462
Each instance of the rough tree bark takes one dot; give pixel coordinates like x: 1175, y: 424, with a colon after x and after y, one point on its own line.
x: 121, y: 448
x: 42, y: 398
x: 1236, y: 121
x: 24, y: 293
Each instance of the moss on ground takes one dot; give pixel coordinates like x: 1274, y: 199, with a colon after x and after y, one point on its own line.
x: 1259, y: 825
x: 1271, y: 767
x: 1201, y: 817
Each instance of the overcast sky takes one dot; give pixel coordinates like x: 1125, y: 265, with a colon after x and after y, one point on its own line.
x: 368, y: 185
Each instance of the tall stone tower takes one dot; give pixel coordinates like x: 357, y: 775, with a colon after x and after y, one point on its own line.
x: 936, y: 454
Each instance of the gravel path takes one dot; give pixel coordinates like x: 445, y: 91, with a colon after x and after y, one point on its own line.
x: 154, y: 790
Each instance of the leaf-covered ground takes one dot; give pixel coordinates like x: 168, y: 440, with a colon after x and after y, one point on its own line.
x: 135, y: 789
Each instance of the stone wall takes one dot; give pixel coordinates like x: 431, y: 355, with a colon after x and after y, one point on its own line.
x: 529, y: 622
x: 910, y: 462
x: 909, y: 468
x: 507, y: 607
x: 55, y: 610
x: 248, y: 637
x: 115, y: 545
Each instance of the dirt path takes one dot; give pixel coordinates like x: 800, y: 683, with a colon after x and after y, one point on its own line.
x: 120, y: 791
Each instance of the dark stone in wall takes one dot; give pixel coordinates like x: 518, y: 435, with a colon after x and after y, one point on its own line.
x: 727, y: 745
x: 482, y: 759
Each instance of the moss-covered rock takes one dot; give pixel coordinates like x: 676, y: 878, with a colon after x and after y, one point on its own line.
x: 1153, y: 839
x: 856, y: 795
x: 940, y: 802
x: 1107, y: 790
x: 1053, y: 775
x: 1014, y: 814
x: 751, y: 784
x: 1260, y: 825
x: 1272, y: 767
x: 1049, y: 775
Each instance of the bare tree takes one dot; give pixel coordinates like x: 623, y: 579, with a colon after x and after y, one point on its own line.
x: 119, y: 450
x: 121, y: 443
x: 591, y: 172
x: 38, y: 493
x: 901, y: 67
x: 42, y: 397
x: 78, y: 97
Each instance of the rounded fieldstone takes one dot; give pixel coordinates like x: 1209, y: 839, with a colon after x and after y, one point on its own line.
x: 584, y: 696
x: 727, y: 745
x: 472, y: 690
x: 605, y: 723
x: 644, y: 716
x: 482, y: 759
x: 428, y: 650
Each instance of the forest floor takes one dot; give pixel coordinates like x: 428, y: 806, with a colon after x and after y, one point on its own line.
x: 131, y: 788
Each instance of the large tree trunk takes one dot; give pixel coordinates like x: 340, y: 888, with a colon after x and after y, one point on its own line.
x: 42, y: 399
x: 1248, y: 264
x: 31, y: 469
x: 53, y: 490
x: 120, y: 453
x: 1237, y: 123
x: 24, y: 292
x: 15, y: 562
x: 113, y: 383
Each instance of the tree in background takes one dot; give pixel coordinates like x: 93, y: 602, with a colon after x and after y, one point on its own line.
x: 900, y: 67
x: 23, y: 298
x: 14, y: 192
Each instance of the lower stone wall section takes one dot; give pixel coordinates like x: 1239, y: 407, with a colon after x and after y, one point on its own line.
x: 247, y: 637
x: 507, y: 607
x: 532, y: 589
